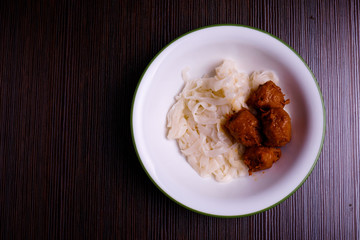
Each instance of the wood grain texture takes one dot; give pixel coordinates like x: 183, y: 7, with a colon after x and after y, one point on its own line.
x: 68, y: 71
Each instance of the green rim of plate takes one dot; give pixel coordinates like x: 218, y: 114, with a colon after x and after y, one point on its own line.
x: 228, y: 216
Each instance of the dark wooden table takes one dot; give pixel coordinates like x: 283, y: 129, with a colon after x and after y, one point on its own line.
x: 68, y: 71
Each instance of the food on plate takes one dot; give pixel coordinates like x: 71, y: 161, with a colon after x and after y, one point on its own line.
x: 275, y: 128
x: 216, y: 131
x: 245, y: 128
x: 197, y: 118
x: 267, y: 96
x: 276, y: 124
x: 260, y: 158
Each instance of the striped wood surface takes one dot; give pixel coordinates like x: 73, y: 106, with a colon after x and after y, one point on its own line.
x: 68, y: 71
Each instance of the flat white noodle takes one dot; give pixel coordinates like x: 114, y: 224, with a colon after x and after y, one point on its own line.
x: 196, y: 119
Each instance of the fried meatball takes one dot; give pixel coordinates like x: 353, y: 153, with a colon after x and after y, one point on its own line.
x: 260, y: 158
x: 267, y: 96
x: 276, y: 124
x: 244, y: 127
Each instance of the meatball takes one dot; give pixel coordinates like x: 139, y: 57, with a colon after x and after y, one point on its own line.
x: 267, y: 96
x: 244, y: 127
x: 276, y: 125
x: 260, y: 158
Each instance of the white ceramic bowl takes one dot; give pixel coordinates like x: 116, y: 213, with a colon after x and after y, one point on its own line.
x: 201, y: 50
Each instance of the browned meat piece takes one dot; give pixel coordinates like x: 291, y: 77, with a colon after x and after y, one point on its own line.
x: 267, y: 96
x: 276, y: 125
x: 244, y: 127
x: 260, y: 158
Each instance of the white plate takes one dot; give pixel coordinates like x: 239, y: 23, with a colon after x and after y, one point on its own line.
x: 201, y: 50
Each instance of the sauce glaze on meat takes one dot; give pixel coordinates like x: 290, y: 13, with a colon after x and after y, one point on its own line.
x: 263, y: 133
x: 245, y: 128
